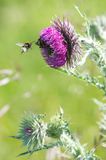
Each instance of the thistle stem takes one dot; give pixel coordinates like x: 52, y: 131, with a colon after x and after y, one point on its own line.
x: 91, y: 80
x: 51, y: 145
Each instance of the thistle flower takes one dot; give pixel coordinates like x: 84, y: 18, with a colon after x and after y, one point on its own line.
x: 32, y: 131
x: 59, y: 44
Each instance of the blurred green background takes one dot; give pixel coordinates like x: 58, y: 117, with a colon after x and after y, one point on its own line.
x: 41, y: 89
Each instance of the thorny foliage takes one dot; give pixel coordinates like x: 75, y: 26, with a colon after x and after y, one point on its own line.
x: 38, y: 135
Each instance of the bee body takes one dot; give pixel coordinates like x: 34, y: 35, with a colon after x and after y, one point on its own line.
x: 24, y: 46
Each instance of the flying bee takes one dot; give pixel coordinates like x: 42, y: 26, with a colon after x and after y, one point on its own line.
x: 24, y: 46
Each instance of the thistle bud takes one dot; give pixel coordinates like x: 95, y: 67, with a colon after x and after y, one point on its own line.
x: 32, y: 131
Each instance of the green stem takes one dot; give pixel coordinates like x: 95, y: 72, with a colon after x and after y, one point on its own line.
x: 51, y: 145
x: 91, y: 80
x: 78, y: 151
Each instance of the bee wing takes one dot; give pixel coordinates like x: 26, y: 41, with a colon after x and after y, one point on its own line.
x: 23, y: 50
x: 20, y: 44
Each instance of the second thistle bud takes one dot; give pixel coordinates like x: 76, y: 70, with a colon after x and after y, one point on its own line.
x: 57, y: 126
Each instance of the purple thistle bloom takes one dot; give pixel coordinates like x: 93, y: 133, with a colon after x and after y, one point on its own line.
x: 28, y: 131
x: 53, y: 47
x: 71, y: 39
x: 59, y: 44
